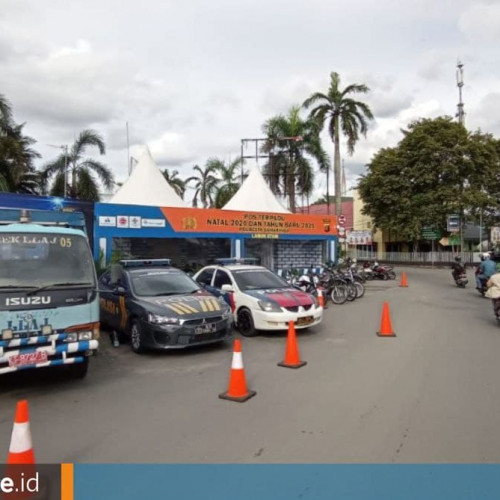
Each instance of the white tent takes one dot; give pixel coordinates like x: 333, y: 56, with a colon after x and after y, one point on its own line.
x: 147, y: 186
x: 255, y: 195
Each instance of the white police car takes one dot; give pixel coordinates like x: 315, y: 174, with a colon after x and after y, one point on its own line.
x: 259, y: 299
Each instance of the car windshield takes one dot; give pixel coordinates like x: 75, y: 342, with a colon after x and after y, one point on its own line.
x: 34, y: 260
x: 253, y: 279
x: 152, y: 283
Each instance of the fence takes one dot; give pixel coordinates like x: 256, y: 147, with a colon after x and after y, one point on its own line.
x: 423, y: 258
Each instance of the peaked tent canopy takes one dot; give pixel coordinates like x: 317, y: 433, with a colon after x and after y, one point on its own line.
x: 147, y: 186
x: 255, y: 195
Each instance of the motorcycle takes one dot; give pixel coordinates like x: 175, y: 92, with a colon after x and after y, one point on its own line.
x: 482, y: 290
x: 461, y: 280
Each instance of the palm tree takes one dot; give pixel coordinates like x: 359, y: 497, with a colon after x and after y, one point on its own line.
x: 17, y: 171
x: 205, y: 184
x: 229, y: 180
x: 290, y: 141
x: 81, y: 170
x: 178, y: 184
x: 342, y: 114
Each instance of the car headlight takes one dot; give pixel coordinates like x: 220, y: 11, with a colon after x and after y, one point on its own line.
x: 269, y: 306
x: 157, y: 319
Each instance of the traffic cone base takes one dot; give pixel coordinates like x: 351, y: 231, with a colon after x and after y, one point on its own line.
x: 296, y: 365
x: 238, y: 399
x: 392, y: 334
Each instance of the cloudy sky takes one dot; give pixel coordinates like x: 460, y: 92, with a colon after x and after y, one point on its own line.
x: 194, y: 77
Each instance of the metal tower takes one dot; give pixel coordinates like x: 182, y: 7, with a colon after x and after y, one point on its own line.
x: 460, y: 84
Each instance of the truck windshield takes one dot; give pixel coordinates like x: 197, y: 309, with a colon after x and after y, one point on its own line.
x: 29, y: 260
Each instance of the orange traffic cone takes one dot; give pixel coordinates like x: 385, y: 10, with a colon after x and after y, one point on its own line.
x: 21, y: 447
x: 321, y: 298
x: 292, y: 356
x: 404, y: 282
x: 385, y: 324
x: 237, y: 382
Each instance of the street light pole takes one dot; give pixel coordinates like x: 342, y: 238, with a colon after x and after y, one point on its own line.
x: 65, y: 148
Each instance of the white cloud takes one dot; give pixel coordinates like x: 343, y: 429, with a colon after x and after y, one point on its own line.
x: 481, y: 21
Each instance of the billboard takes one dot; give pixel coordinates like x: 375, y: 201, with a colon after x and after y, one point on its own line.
x: 359, y: 238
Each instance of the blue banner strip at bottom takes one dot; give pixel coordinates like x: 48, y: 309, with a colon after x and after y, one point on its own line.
x: 287, y: 482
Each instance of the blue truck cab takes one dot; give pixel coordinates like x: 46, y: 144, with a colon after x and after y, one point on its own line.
x: 49, y: 303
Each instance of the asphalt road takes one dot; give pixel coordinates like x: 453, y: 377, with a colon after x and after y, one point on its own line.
x: 431, y: 394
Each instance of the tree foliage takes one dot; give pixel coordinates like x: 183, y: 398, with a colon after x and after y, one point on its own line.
x: 341, y: 114
x: 17, y: 170
x: 289, y: 170
x: 437, y: 169
x: 81, y: 170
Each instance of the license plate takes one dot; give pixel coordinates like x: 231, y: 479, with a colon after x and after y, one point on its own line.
x: 210, y: 328
x: 305, y: 321
x: 30, y: 358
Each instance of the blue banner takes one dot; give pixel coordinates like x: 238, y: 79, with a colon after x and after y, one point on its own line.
x: 287, y: 482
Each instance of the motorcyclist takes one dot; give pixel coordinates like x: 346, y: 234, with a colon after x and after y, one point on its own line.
x: 486, y: 269
x: 458, y: 268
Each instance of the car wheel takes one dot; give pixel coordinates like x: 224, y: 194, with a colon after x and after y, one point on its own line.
x: 136, y: 337
x: 79, y: 370
x: 245, y: 323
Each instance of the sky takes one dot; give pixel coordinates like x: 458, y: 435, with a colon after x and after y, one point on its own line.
x: 193, y: 78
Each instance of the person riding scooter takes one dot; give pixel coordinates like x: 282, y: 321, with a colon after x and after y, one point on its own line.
x: 486, y: 269
x: 493, y: 293
x: 457, y: 268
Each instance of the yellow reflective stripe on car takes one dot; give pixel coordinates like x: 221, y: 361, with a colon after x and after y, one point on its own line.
x: 216, y: 304
x: 204, y: 306
x: 186, y: 307
x: 175, y: 308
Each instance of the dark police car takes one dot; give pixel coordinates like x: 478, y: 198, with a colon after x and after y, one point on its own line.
x: 161, y: 307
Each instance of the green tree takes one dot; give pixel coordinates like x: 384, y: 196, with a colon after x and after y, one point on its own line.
x: 228, y: 179
x: 291, y: 144
x: 205, y: 184
x: 81, y: 170
x: 178, y: 184
x: 343, y: 114
x: 437, y: 169
x: 17, y: 170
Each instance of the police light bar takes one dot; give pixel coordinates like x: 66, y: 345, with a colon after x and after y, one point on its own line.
x: 144, y: 263
x: 235, y: 260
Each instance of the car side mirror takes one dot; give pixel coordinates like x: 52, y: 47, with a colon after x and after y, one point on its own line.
x: 227, y: 288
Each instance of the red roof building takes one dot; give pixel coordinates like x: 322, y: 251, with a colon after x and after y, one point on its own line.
x: 322, y: 209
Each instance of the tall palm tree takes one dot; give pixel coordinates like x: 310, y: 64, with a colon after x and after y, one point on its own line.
x: 178, y: 184
x: 229, y: 179
x: 204, y: 184
x: 81, y: 170
x: 341, y: 113
x: 291, y: 142
x: 17, y: 171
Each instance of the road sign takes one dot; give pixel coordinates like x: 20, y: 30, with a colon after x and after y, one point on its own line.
x: 453, y: 223
x: 431, y: 233
x: 342, y: 219
x: 341, y: 231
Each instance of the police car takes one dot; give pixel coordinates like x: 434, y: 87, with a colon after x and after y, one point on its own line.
x: 259, y: 299
x: 161, y: 307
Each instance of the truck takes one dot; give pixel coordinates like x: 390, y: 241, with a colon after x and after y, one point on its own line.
x: 49, y: 303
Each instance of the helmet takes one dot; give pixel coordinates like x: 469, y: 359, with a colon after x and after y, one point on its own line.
x: 458, y: 259
x: 486, y: 256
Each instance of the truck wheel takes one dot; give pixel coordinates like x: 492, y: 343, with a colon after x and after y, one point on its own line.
x: 79, y: 370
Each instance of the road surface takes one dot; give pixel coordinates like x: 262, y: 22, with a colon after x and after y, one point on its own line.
x: 430, y: 394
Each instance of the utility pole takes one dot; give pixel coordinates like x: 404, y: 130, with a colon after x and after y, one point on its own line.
x: 460, y: 84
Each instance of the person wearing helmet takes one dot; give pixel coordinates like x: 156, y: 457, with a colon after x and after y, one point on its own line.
x: 457, y: 268
x: 486, y: 269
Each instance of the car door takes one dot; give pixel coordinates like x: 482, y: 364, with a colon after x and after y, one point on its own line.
x: 221, y: 278
x: 204, y: 279
x: 107, y: 303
